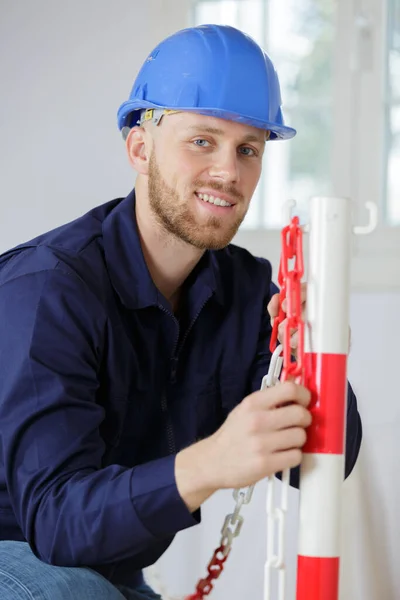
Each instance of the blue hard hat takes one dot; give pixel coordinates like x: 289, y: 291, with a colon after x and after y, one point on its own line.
x: 213, y: 70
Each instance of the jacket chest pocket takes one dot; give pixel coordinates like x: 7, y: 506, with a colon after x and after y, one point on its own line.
x: 215, y: 402
x: 208, y: 411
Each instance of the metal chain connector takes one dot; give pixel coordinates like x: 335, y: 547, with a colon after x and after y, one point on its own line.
x: 230, y: 529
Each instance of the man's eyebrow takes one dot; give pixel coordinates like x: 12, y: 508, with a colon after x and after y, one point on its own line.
x: 205, y: 129
x: 250, y: 137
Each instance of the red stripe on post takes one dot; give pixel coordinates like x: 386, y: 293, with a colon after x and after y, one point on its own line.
x: 325, y: 377
x: 317, y: 578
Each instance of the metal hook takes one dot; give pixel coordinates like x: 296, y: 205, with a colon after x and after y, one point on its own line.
x: 373, y: 220
x: 287, y: 210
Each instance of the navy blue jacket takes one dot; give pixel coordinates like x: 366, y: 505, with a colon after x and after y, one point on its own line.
x: 101, y: 385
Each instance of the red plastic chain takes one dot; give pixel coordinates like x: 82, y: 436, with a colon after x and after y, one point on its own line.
x: 215, y: 568
x: 291, y: 270
x: 290, y: 284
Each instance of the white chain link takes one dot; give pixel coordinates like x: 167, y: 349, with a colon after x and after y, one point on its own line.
x: 235, y: 519
x: 276, y: 515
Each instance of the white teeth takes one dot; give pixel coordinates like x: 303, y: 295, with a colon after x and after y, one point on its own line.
x: 213, y: 200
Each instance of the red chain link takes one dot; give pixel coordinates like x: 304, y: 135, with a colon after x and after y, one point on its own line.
x: 290, y: 284
x: 289, y: 280
x: 215, y: 568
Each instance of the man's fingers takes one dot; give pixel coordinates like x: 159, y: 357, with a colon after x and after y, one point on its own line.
x: 292, y: 415
x: 281, y: 394
x: 294, y: 340
x: 294, y: 437
x: 303, y: 298
x: 273, y: 307
x: 281, y: 333
x: 273, y: 310
x: 286, y: 460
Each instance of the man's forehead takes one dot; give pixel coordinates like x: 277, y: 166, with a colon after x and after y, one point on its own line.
x: 194, y: 122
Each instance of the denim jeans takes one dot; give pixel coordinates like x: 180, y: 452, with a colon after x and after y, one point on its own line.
x: 25, y: 577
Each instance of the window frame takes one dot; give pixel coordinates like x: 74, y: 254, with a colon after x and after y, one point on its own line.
x: 359, y: 146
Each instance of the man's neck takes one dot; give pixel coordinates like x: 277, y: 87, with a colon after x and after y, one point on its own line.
x: 168, y: 259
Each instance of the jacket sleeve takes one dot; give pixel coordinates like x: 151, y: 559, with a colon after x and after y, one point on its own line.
x: 353, y: 424
x: 71, y: 510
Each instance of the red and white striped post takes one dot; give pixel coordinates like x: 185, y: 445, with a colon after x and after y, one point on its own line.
x: 326, y: 349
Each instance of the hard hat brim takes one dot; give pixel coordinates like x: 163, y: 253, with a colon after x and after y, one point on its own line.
x: 126, y: 117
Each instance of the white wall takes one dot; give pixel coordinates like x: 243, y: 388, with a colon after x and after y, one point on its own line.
x: 64, y: 70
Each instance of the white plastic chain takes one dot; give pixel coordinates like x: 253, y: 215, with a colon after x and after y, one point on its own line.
x: 276, y: 516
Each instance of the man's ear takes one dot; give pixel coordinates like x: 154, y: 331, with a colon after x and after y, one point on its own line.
x: 137, y: 146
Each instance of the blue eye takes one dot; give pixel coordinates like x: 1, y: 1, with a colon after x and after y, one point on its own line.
x: 202, y: 143
x: 246, y: 151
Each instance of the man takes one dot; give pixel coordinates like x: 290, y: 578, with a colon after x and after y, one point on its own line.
x: 133, y: 341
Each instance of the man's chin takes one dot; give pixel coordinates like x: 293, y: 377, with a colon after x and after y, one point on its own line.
x: 213, y: 242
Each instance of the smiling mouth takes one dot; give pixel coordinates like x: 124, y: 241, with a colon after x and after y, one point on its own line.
x: 215, y: 200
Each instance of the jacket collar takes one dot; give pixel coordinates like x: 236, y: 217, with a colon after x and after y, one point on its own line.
x: 128, y: 270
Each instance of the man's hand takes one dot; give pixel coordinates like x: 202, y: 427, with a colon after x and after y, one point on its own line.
x: 273, y: 310
x: 264, y: 434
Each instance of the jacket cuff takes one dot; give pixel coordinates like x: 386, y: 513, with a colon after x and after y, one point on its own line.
x: 157, y: 501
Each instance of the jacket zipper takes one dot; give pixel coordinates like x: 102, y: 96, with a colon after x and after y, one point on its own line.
x: 174, y: 361
x: 170, y: 433
x: 164, y: 403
